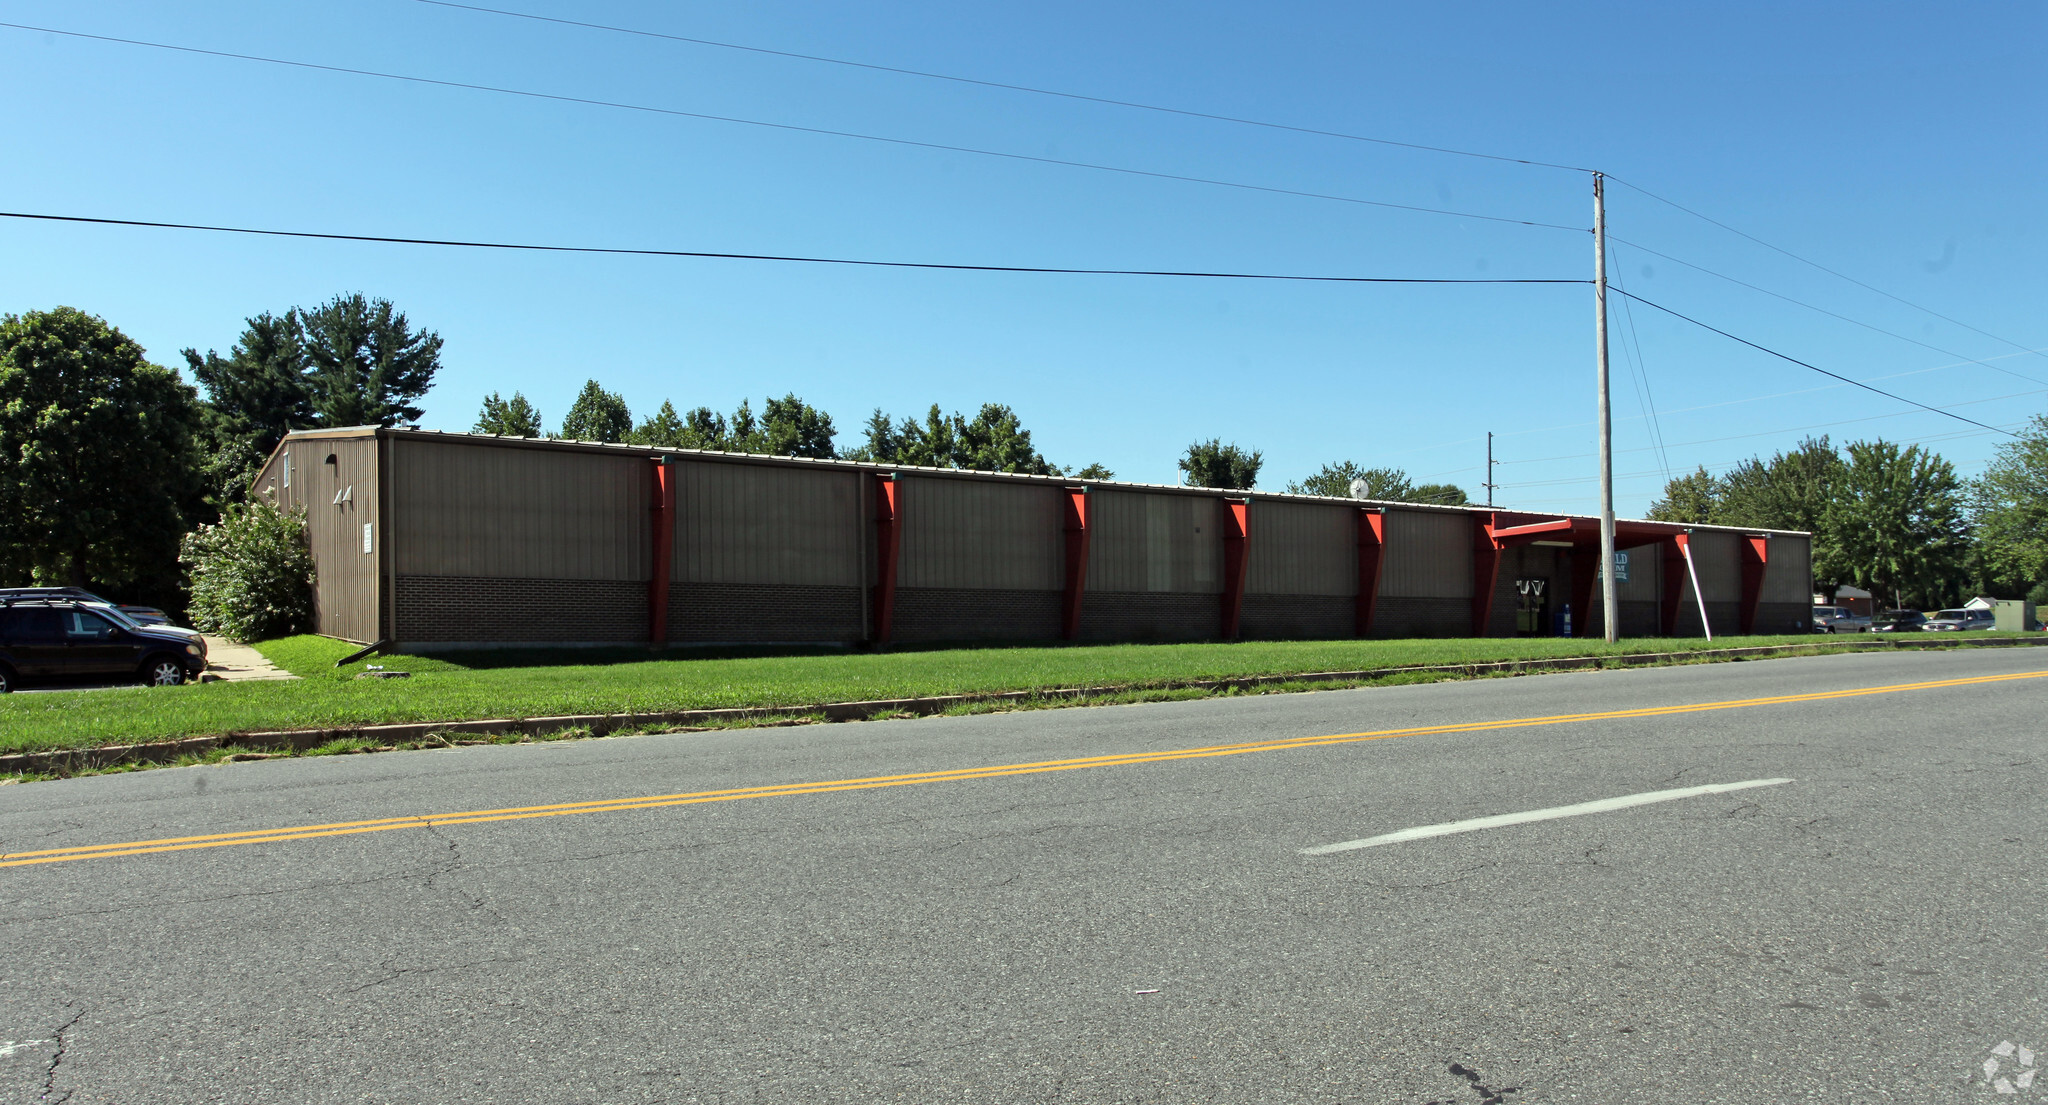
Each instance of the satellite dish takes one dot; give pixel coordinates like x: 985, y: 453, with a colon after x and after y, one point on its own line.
x: 1358, y: 489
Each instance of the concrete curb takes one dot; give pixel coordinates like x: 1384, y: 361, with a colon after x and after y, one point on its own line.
x: 64, y: 761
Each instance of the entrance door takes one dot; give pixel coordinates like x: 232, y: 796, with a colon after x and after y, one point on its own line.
x: 1532, y: 608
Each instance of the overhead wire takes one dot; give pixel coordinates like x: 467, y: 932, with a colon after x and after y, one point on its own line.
x: 1831, y: 314
x: 1788, y: 430
x: 1804, y: 364
x: 1642, y: 373
x: 797, y: 128
x: 1815, y: 264
x: 1006, y: 86
x: 636, y: 252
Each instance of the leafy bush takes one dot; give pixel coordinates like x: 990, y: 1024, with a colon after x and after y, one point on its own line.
x: 252, y: 574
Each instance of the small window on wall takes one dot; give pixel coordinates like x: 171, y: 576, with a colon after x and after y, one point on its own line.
x: 285, y: 465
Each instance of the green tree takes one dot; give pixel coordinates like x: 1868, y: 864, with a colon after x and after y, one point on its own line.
x: 251, y: 574
x: 1213, y: 464
x: 2008, y: 508
x: 514, y: 417
x: 597, y: 415
x: 1690, y: 499
x: 1334, y: 481
x: 1385, y: 484
x: 791, y: 427
x: 705, y: 428
x: 1790, y: 491
x: 1096, y: 471
x: 664, y: 428
x: 98, y: 465
x: 996, y: 441
x: 1898, y: 518
x: 365, y: 363
x: 259, y: 391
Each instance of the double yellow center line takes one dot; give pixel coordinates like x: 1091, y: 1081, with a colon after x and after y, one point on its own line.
x: 612, y: 805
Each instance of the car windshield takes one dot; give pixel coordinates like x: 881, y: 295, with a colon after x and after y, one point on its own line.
x: 114, y: 614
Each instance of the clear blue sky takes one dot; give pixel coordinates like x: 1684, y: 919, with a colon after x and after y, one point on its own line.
x: 1902, y: 145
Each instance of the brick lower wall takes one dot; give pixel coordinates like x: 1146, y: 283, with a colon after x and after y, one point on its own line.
x: 1408, y: 616
x: 1784, y: 617
x: 961, y: 614
x: 435, y: 609
x: 763, y: 613
x: 449, y: 609
x: 1150, y: 616
x: 1285, y: 617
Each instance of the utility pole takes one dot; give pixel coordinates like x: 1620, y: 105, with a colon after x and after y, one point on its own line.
x: 1610, y: 606
x: 1489, y: 485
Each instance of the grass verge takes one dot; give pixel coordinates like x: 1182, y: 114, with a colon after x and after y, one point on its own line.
x: 508, y: 685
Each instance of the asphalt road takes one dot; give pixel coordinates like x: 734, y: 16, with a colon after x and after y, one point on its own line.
x: 1145, y: 931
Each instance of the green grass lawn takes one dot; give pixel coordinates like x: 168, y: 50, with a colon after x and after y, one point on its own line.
x: 513, y: 684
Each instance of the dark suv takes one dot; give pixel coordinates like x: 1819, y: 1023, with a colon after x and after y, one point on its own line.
x: 64, y: 639
x: 147, y: 615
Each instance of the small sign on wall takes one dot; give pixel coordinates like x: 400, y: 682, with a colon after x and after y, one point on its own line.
x: 1620, y: 568
x: 366, y: 538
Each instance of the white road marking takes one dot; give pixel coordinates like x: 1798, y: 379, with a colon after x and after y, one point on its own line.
x: 8, y: 1049
x: 1599, y: 806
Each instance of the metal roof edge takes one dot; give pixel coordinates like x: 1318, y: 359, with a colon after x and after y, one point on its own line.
x: 721, y: 457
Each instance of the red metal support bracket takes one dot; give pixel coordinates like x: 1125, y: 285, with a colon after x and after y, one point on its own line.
x: 1236, y: 545
x: 1077, y: 562
x: 1372, y: 543
x: 1755, y: 551
x: 1485, y: 571
x: 888, y: 540
x: 1673, y: 589
x: 1585, y: 573
x: 663, y: 519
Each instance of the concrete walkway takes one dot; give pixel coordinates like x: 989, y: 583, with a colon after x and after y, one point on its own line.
x: 230, y: 662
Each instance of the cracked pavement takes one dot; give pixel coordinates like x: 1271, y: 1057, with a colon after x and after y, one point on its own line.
x: 1140, y: 933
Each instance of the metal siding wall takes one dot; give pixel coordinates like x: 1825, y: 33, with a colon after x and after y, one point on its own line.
x: 1152, y: 542
x: 1428, y: 555
x: 962, y: 533
x: 1714, y: 558
x: 741, y: 523
x: 1788, y: 574
x: 1302, y: 549
x: 1644, y: 566
x: 345, y: 578
x: 466, y: 509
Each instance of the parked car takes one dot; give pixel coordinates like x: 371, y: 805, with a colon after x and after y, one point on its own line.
x: 1839, y: 619
x: 147, y: 615
x: 1898, y: 621
x: 1951, y: 621
x: 129, y: 621
x: 58, y: 639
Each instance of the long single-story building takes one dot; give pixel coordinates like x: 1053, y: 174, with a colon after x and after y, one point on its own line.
x: 425, y: 540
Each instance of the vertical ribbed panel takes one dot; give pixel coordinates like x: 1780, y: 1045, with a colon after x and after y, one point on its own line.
x: 1428, y: 555
x: 477, y: 509
x: 976, y: 534
x: 744, y: 523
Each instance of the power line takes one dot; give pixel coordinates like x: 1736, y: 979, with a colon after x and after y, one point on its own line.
x: 1812, y: 367
x: 1083, y: 97
x: 679, y: 113
x: 1817, y: 265
x: 1723, y: 466
x: 1830, y: 314
x: 1790, y: 430
x: 1642, y: 370
x: 622, y: 251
